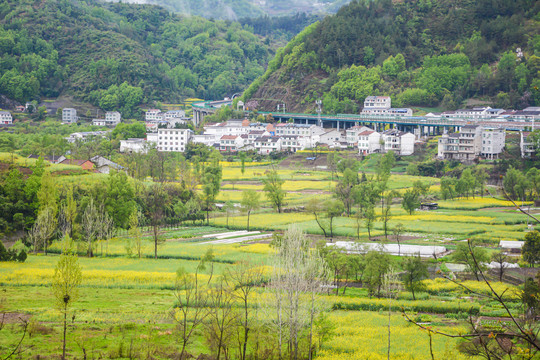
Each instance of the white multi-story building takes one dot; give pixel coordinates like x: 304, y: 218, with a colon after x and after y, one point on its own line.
x: 332, y: 138
x: 382, y: 105
x: 463, y: 146
x: 377, y: 102
x: 293, y: 143
x: 153, y: 115
x: 493, y: 141
x: 528, y: 148
x: 174, y: 115
x: 369, y: 142
x: 231, y: 127
x: 352, y: 134
x: 400, y: 142
x: 230, y: 143
x: 6, y: 118
x: 112, y: 118
x: 69, y: 116
x: 267, y: 144
x: 173, y: 140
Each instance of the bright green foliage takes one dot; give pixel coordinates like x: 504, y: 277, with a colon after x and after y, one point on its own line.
x: 119, y: 201
x: 250, y: 202
x: 273, y: 188
x: 531, y: 248
x: 124, y: 131
x: 474, y: 257
x: 415, y: 271
x: 123, y: 54
x: 378, y: 264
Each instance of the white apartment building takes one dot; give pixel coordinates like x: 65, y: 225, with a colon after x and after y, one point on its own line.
x: 152, y: 138
x: 493, y: 141
x: 369, y: 142
x: 133, y: 146
x: 69, y: 116
x: 400, y: 142
x: 6, y: 118
x: 173, y: 140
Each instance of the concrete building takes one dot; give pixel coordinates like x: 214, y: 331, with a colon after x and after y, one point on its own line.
x: 352, y: 134
x: 230, y: 143
x: 463, y: 146
x: 133, y: 146
x: 153, y: 115
x: 527, y: 147
x: 493, y: 141
x: 69, y: 116
x: 382, y: 105
x: 400, y: 142
x: 104, y: 165
x: 267, y: 144
x: 112, y: 118
x: 173, y: 140
x: 369, y: 142
x: 332, y: 138
x: 6, y: 118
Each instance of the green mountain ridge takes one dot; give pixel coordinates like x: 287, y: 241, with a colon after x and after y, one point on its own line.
x: 236, y: 9
x: 118, y: 56
x: 422, y: 53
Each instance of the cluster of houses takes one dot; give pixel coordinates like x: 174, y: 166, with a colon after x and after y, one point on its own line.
x: 486, y: 113
x: 155, y: 119
x: 242, y: 135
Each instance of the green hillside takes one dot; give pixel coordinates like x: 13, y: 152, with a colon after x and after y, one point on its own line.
x: 120, y: 55
x: 236, y: 9
x: 421, y: 53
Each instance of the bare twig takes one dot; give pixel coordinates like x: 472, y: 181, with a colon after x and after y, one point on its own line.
x: 25, y: 327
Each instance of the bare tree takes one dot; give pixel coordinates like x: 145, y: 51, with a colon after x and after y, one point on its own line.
x: 43, y: 229
x: 192, y: 300
x: 498, y: 343
x: 91, y: 223
x: 398, y: 231
x: 298, y: 272
x: 65, y: 284
x: 501, y: 259
x: 392, y: 287
x: 245, y: 277
x: 156, y: 201
x: 222, y: 317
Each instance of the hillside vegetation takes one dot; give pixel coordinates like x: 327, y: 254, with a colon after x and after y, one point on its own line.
x: 118, y: 55
x: 235, y: 9
x: 422, y: 53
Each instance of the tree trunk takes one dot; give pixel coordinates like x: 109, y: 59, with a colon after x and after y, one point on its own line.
x: 65, y: 329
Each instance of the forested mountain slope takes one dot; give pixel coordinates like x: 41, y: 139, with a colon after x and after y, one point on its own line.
x: 118, y: 55
x: 236, y: 9
x: 420, y: 52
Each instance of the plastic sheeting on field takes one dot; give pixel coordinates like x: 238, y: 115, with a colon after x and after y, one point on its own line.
x: 392, y: 249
